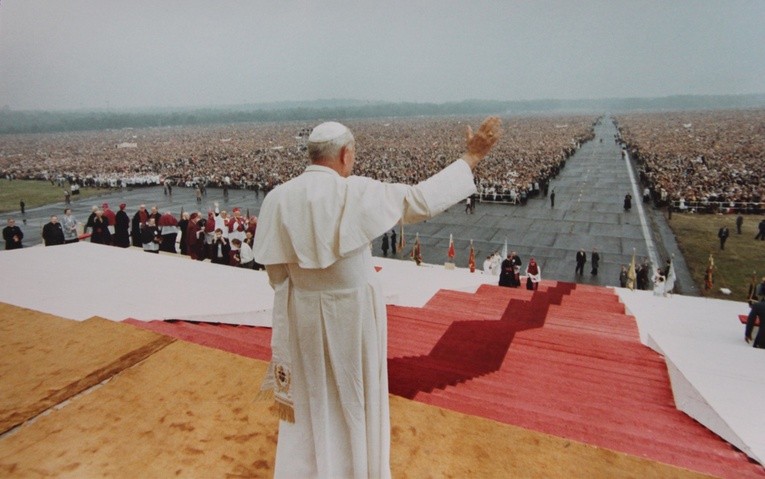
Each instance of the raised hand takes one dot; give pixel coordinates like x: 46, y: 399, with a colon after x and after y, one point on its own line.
x: 480, y: 143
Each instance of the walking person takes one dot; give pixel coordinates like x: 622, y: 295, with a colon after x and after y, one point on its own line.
x: 723, y: 234
x: 595, y: 260
x: 581, y: 259
x: 552, y: 198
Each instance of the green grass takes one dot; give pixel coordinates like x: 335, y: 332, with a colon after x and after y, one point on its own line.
x: 34, y: 193
x: 697, y: 237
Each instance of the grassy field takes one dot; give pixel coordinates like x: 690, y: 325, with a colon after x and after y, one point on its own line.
x: 34, y: 193
x: 697, y: 238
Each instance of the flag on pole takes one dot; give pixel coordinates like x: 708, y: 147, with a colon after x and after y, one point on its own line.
x: 471, y: 258
x: 401, y: 240
x: 504, y: 251
x: 631, y: 274
x: 451, y: 252
x: 669, y: 283
x: 416, y: 253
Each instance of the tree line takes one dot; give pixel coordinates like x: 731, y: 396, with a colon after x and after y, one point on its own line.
x: 33, y: 121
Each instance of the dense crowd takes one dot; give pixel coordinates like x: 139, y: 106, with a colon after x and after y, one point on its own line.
x: 701, y: 160
x: 260, y: 156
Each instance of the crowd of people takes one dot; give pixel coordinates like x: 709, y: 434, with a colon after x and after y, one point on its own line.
x: 261, y: 156
x: 703, y: 161
x: 221, y: 237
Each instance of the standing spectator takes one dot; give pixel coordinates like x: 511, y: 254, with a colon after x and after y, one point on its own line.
x: 100, y: 233
x: 552, y: 198
x: 517, y: 263
x: 219, y: 248
x: 237, y: 225
x: 89, y: 223
x: 533, y: 275
x: 595, y: 260
x: 758, y: 311
x: 627, y: 202
x: 739, y: 223
x: 139, y: 220
x: 393, y: 243
x: 623, y: 276
x: 69, y: 225
x: 385, y: 244
x: 150, y: 236
x: 581, y: 259
x: 52, y: 232
x: 506, y: 273
x: 487, y: 265
x: 12, y: 235
x: 183, y: 227
x: 122, y: 228
x: 761, y: 231
x: 195, y: 238
x: 168, y: 228
x: 110, y: 217
x: 723, y: 234
x: 23, y: 207
x: 641, y: 274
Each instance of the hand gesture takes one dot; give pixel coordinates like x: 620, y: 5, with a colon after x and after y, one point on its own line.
x: 480, y: 143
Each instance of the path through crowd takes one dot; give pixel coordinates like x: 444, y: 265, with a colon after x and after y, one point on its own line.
x: 588, y: 213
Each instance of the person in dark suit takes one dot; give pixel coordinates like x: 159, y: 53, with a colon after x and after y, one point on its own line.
x: 100, y: 225
x: 723, y: 234
x: 12, y: 235
x: 53, y: 232
x: 507, y: 272
x: 627, y: 202
x: 581, y: 259
x: 385, y: 244
x: 758, y: 311
x: 595, y: 260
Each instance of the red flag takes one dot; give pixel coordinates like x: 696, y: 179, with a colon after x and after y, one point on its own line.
x: 451, y: 252
x: 416, y: 255
x: 471, y: 258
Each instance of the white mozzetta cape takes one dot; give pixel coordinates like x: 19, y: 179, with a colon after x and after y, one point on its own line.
x: 328, y: 368
x: 320, y: 217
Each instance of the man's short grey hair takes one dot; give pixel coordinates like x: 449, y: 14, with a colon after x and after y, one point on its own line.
x: 326, y: 141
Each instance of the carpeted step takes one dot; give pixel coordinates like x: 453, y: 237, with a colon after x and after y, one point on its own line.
x: 248, y: 341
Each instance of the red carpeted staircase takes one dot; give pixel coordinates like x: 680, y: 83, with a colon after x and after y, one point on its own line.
x: 565, y: 360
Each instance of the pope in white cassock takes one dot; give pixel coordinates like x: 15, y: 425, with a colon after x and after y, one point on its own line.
x: 328, y: 370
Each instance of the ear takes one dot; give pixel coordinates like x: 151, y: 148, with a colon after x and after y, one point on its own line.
x: 344, y: 155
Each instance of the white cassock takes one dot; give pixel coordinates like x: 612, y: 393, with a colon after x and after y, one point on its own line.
x: 329, y: 343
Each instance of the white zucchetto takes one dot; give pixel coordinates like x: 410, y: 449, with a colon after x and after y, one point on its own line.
x: 328, y: 131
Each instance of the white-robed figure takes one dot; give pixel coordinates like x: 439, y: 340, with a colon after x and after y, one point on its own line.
x: 328, y: 369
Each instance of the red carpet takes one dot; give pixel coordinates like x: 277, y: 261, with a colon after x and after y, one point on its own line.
x: 563, y: 360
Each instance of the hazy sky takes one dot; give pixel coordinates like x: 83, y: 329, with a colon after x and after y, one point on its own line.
x: 62, y: 54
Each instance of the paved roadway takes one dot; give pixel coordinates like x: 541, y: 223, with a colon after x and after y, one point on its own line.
x: 588, y: 214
